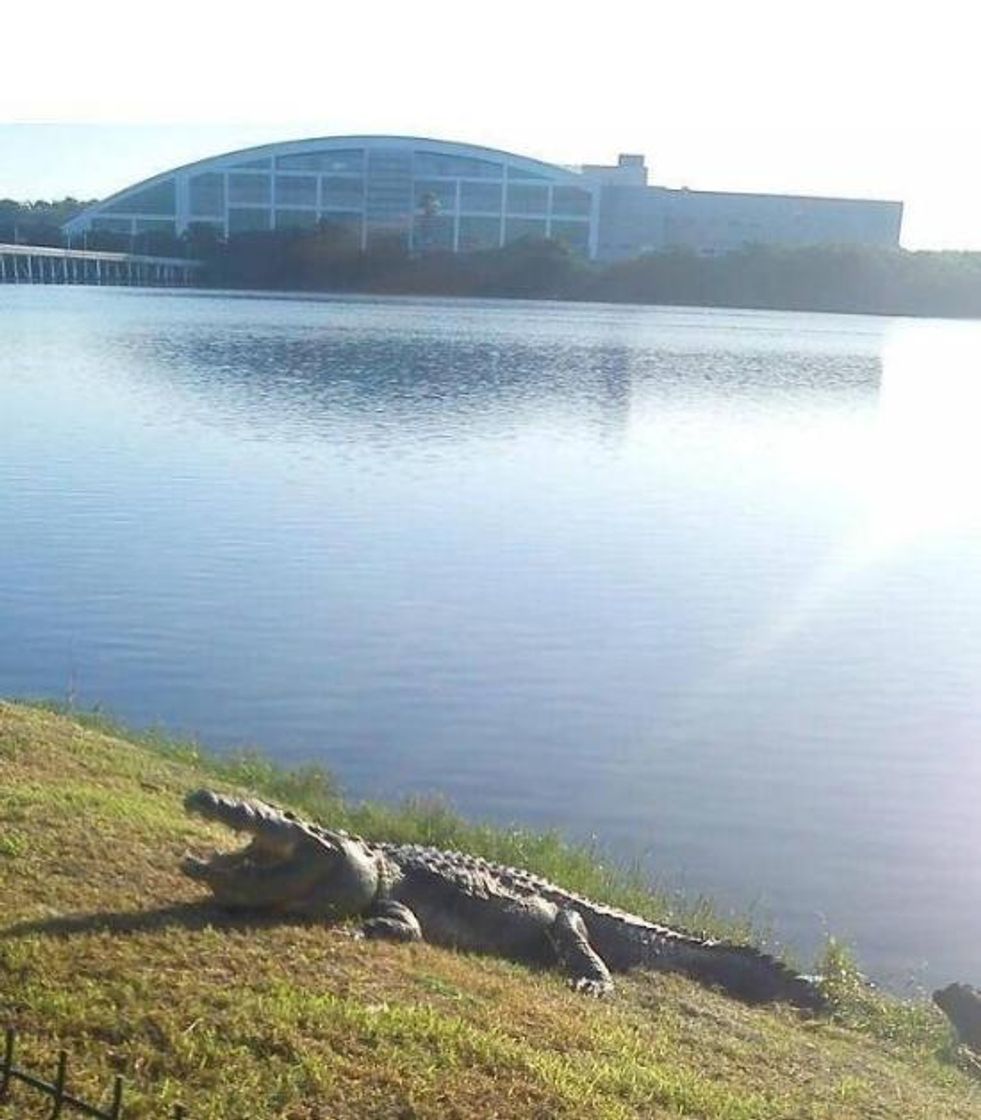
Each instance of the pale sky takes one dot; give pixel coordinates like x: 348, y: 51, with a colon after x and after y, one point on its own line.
x: 858, y: 99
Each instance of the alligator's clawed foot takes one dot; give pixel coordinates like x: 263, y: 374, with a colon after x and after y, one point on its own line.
x: 587, y: 986
x: 194, y: 867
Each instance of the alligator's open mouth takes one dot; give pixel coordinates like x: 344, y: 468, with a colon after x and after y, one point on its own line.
x: 277, y: 869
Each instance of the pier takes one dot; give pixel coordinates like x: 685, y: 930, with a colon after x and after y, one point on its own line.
x: 41, y: 264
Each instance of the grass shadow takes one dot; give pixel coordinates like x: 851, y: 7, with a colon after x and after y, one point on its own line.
x: 186, y: 915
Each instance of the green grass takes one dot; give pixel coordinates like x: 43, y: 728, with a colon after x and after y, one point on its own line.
x: 106, y: 950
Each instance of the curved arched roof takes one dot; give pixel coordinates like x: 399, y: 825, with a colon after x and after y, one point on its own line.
x: 160, y: 196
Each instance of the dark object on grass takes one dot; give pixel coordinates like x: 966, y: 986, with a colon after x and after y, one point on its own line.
x: 962, y: 1005
x: 407, y: 892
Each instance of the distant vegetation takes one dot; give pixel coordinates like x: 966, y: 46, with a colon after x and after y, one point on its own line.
x: 329, y: 258
x: 36, y: 223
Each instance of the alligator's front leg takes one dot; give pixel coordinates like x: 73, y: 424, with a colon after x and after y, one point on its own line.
x: 391, y: 921
x: 585, y: 967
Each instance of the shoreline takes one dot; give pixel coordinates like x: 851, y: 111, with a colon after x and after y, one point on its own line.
x: 105, y: 949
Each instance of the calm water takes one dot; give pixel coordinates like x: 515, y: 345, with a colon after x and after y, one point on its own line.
x: 705, y: 585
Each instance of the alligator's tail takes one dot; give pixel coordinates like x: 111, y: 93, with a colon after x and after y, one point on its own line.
x: 750, y: 974
x: 626, y: 941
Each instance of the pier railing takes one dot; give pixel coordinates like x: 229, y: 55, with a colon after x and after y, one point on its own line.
x: 58, y: 1089
x: 42, y: 264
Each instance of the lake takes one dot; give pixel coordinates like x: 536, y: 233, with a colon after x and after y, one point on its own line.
x: 704, y: 585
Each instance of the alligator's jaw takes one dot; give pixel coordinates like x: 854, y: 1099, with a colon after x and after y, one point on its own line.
x: 287, y: 867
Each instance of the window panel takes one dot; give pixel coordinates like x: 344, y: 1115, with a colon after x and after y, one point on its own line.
x: 517, y: 228
x: 427, y: 164
x: 527, y: 200
x: 248, y: 189
x: 216, y: 228
x: 388, y: 193
x: 339, y: 160
x: 296, y: 219
x: 479, y: 233
x: 112, y: 225
x: 246, y: 219
x: 520, y: 173
x: 571, y: 200
x: 296, y: 190
x: 430, y: 234
x: 155, y: 225
x: 574, y: 234
x: 254, y: 165
x: 343, y: 192
x: 161, y: 198
x: 438, y: 190
x: 484, y: 197
x: 207, y: 195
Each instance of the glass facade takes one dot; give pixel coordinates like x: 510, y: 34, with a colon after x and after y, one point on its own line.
x: 435, y: 193
x: 388, y: 190
x: 432, y: 233
x: 456, y: 167
x: 343, y: 160
x: 161, y: 198
x: 342, y: 192
x: 207, y: 195
x: 481, y: 198
x: 296, y: 190
x: 248, y: 190
x: 516, y: 229
x: 112, y: 225
x: 527, y: 200
x: 479, y: 233
x: 571, y: 200
x: 248, y: 219
x: 521, y: 173
x: 295, y: 219
x: 155, y: 225
x: 422, y: 195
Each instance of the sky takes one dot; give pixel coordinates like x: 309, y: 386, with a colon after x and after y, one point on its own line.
x: 859, y: 99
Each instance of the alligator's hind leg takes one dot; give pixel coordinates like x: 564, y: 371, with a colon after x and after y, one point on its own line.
x: 391, y: 921
x: 585, y: 967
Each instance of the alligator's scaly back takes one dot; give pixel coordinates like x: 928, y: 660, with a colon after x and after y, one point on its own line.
x: 626, y: 941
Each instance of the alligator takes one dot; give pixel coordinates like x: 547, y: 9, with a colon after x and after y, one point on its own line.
x: 407, y: 892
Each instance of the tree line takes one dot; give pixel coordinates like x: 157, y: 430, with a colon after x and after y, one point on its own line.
x: 816, y: 278
x: 329, y: 257
x: 36, y: 223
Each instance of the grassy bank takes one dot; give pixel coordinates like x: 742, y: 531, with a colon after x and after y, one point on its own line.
x: 105, y: 949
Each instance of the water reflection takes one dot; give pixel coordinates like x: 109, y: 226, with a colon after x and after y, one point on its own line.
x: 451, y: 380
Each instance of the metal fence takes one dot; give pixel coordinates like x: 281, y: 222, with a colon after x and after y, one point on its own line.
x: 58, y: 1090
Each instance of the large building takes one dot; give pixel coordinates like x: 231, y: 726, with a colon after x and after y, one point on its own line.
x: 437, y: 195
